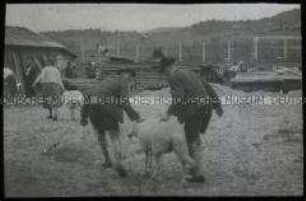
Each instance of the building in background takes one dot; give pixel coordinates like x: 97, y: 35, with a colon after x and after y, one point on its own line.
x: 27, y: 52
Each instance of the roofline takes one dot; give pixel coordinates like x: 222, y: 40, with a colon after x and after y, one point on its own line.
x: 48, y: 43
x: 44, y: 47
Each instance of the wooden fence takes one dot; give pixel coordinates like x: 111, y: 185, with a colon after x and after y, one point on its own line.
x: 217, y: 49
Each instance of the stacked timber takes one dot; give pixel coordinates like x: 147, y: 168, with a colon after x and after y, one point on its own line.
x: 268, y: 81
x: 146, y: 78
x: 79, y: 84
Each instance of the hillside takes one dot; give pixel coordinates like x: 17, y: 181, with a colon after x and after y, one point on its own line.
x: 286, y: 23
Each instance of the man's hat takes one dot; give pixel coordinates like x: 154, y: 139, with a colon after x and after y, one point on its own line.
x: 126, y: 70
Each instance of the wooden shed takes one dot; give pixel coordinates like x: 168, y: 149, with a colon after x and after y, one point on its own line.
x: 24, y: 48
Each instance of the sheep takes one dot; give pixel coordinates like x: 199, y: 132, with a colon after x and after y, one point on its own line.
x: 74, y: 99
x: 160, y: 137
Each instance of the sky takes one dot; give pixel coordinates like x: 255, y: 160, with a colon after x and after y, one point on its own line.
x: 131, y: 17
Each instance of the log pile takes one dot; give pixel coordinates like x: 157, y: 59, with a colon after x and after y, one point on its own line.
x: 79, y: 84
x: 146, y: 78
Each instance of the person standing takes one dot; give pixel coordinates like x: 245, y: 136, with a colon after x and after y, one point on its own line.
x: 10, y: 83
x: 31, y: 73
x: 158, y: 52
x: 188, y: 92
x: 106, y: 113
x: 52, y: 87
x: 69, y: 71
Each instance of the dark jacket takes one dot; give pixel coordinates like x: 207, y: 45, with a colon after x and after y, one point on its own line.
x: 112, y: 94
x: 199, y: 97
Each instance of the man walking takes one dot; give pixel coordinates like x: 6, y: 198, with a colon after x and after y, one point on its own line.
x: 193, y: 102
x: 106, y: 113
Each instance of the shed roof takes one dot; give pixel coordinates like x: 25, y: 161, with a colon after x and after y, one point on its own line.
x: 20, y: 36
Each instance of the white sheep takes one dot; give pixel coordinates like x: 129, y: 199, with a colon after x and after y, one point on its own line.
x: 74, y: 99
x: 160, y: 137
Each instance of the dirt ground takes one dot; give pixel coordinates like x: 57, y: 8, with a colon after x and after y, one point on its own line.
x: 252, y: 150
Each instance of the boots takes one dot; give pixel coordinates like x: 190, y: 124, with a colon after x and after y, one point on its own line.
x: 103, y: 145
x: 196, y: 174
x: 117, y: 157
x: 54, y: 115
x: 50, y: 112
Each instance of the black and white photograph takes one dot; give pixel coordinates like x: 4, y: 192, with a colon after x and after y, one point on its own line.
x: 152, y: 99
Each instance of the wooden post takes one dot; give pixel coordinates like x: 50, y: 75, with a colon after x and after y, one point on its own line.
x: 19, y: 74
x: 255, y: 46
x: 137, y: 53
x: 203, y: 51
x: 82, y: 48
x: 118, y: 50
x: 165, y: 51
x: 180, y: 52
x: 285, y: 49
x: 40, y: 67
x: 118, y: 45
x: 83, y: 53
x: 229, y: 50
x: 195, y: 52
